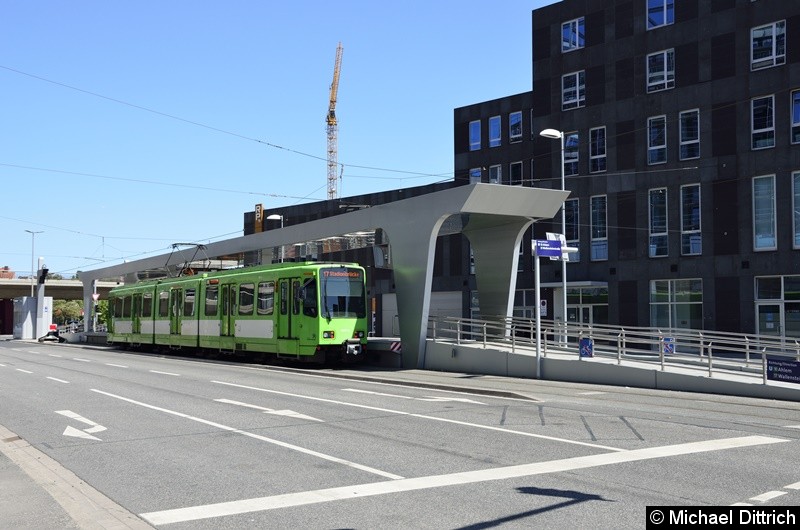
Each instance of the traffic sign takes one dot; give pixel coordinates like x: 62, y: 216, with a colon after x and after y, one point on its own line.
x: 544, y: 248
x: 95, y: 296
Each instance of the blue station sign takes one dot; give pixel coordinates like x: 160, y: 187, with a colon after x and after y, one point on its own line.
x: 547, y: 248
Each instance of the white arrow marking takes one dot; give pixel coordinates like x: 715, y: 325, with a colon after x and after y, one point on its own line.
x: 93, y: 427
x: 72, y: 431
x: 426, y: 398
x: 289, y: 413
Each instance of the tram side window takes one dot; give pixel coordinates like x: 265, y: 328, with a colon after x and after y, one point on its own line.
x: 147, y: 305
x: 297, y: 297
x: 118, y: 308
x: 309, y: 295
x: 266, y: 298
x: 212, y: 297
x: 163, y: 304
x: 284, y: 296
x: 188, y: 303
x: 246, y: 291
x: 126, y: 307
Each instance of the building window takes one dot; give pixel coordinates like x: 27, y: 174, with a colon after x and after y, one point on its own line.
x: 474, y: 175
x: 660, y: 13
x: 763, y: 122
x: 768, y: 45
x: 515, y: 173
x: 778, y: 305
x: 573, y: 35
x: 691, y: 239
x: 689, y: 127
x: 495, y: 174
x: 515, y: 127
x: 656, y: 140
x: 573, y: 225
x: 494, y: 131
x: 659, y: 242
x: 661, y: 70
x: 764, y: 227
x: 599, y: 228
x: 795, y: 116
x: 676, y: 304
x: 570, y: 154
x: 597, y: 150
x: 796, y: 208
x: 573, y: 90
x: 475, y: 135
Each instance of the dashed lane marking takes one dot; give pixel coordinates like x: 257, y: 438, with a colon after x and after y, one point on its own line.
x: 58, y: 380
x: 423, y: 416
x: 256, y: 436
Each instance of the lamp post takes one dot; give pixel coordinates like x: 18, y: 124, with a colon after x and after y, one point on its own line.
x: 275, y: 217
x: 554, y: 134
x: 33, y: 272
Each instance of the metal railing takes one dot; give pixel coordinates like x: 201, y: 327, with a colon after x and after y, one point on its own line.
x: 710, y: 351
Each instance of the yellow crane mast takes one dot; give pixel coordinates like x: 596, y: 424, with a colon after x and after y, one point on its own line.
x: 333, y: 127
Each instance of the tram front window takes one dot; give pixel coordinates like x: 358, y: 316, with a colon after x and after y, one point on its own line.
x: 342, y: 293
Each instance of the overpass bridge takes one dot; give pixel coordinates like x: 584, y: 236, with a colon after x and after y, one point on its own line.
x: 58, y: 289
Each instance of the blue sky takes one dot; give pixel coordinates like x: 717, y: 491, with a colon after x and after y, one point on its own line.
x: 128, y: 126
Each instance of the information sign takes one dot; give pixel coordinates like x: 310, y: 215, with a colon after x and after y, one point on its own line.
x: 545, y: 248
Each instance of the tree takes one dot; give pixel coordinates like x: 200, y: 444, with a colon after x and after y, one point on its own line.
x: 67, y: 310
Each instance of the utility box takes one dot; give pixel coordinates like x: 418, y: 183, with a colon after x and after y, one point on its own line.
x: 26, y: 326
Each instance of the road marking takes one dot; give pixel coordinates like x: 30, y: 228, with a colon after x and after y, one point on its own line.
x: 85, y: 433
x: 58, y: 380
x: 791, y: 426
x: 426, y: 398
x: 3, y: 365
x: 256, y: 436
x: 423, y: 416
x: 289, y: 413
x: 741, y: 504
x: 72, y: 431
x: 163, y: 373
x: 24, y: 371
x: 116, y: 365
x: 764, y: 497
x: 194, y: 513
x: 53, y: 355
x: 593, y: 393
x: 795, y: 486
x: 81, y: 360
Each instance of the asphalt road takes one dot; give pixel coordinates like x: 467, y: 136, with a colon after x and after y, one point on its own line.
x: 185, y: 443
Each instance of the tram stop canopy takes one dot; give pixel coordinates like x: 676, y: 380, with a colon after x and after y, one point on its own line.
x: 494, y: 218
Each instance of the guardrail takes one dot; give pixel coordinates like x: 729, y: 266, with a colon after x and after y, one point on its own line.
x: 710, y: 351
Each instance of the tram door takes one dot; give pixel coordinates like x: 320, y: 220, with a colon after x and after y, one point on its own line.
x: 288, y: 314
x: 136, y: 314
x: 227, y: 320
x: 175, y: 297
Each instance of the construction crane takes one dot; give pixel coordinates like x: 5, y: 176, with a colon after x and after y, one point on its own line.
x: 333, y: 127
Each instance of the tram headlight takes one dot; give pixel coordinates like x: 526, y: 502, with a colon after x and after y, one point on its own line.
x: 358, y: 335
x: 328, y: 335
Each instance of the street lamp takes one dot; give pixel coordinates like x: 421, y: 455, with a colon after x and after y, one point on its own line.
x: 275, y: 217
x: 553, y: 134
x: 33, y: 272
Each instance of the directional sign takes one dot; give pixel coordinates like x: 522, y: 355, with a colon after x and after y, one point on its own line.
x: 545, y: 248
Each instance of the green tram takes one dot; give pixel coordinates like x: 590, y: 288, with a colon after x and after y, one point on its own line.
x: 310, y: 311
